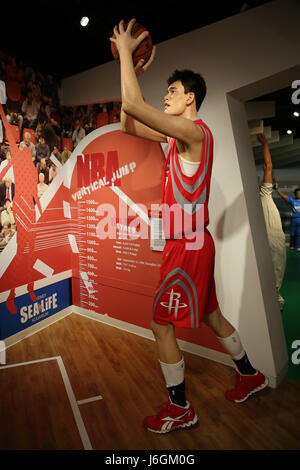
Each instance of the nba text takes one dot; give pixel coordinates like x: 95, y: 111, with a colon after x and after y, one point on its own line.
x: 100, y: 169
x: 95, y: 172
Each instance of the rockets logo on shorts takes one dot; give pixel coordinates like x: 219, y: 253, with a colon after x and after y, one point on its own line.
x: 174, y: 303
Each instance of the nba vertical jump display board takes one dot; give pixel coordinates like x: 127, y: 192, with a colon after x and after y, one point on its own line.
x: 114, y: 179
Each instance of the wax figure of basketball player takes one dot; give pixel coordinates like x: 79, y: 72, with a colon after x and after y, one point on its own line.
x: 188, y: 273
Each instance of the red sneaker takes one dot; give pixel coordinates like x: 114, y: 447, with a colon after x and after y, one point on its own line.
x: 245, y: 386
x: 171, y: 417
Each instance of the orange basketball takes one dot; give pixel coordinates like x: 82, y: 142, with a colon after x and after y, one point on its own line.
x: 143, y: 51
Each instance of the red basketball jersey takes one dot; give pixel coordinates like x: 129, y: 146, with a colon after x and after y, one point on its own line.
x: 186, y: 288
x: 188, y: 195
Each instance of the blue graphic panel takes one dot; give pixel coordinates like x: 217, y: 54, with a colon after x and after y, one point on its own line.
x: 49, y: 300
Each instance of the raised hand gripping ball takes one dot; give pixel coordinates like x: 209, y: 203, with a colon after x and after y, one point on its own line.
x: 143, y: 51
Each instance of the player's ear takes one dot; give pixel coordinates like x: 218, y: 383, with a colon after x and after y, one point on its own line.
x: 190, y: 97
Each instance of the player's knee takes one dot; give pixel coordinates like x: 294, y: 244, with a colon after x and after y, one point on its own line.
x: 160, y: 331
x: 214, y: 320
x: 156, y: 328
x: 218, y: 323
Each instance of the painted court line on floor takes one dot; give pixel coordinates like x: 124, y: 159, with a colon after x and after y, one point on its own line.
x: 74, y: 405
x: 89, y: 400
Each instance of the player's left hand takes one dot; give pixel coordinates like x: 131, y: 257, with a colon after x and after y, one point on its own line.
x: 141, y: 66
x: 123, y: 38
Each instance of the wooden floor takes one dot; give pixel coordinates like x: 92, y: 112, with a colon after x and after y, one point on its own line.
x: 86, y: 359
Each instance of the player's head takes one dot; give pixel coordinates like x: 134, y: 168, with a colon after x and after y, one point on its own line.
x: 194, y: 87
x: 297, y: 193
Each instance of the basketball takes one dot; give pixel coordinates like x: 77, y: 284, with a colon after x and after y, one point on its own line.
x: 143, y: 51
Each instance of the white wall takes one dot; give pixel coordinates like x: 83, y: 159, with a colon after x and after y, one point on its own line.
x: 241, y: 58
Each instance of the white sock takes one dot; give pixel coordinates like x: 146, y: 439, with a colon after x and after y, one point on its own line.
x: 173, y: 373
x: 233, y: 345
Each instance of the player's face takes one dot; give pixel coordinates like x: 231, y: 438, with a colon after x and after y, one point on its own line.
x: 175, y: 99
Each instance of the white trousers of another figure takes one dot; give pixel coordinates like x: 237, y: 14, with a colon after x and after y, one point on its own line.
x: 275, y: 234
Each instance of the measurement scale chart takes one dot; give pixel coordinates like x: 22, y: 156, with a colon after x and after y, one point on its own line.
x: 88, y: 245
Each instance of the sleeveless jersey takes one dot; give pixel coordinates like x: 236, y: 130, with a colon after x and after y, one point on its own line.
x: 185, y: 198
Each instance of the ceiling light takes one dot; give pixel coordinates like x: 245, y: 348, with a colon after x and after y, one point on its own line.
x: 296, y: 114
x: 289, y: 132
x: 84, y: 21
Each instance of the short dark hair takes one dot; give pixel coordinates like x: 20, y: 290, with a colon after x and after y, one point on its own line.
x: 296, y: 190
x: 192, y: 82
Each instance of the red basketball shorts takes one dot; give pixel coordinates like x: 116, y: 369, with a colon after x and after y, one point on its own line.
x: 186, y: 290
